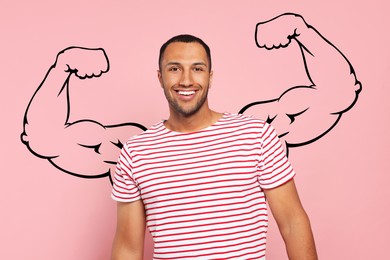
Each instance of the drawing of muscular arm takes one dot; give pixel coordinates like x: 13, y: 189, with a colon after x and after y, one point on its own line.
x: 303, y: 114
x: 84, y: 148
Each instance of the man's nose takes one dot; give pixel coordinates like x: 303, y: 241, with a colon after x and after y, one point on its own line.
x: 186, y: 78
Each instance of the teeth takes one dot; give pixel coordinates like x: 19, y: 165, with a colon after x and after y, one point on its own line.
x: 187, y: 93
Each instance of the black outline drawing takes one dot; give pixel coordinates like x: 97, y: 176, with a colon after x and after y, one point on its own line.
x: 64, y: 67
x: 73, y: 71
x: 305, y: 51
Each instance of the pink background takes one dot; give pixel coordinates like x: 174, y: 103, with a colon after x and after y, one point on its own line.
x: 343, y: 183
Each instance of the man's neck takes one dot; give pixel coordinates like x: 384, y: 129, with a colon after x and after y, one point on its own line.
x: 185, y: 124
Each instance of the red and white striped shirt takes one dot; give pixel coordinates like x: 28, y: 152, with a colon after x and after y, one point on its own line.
x: 203, y: 191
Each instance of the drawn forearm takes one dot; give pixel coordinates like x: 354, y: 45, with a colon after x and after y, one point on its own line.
x: 51, y: 96
x: 325, y: 65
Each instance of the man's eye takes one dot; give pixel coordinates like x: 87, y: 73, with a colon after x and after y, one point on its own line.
x: 198, y: 69
x: 173, y: 69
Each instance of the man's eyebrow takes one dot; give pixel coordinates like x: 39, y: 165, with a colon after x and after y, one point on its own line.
x: 172, y: 63
x: 199, y: 63
x: 176, y: 63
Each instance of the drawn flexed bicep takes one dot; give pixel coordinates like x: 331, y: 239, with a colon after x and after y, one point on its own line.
x: 89, y: 149
x: 84, y: 147
x: 49, y: 108
x: 303, y: 114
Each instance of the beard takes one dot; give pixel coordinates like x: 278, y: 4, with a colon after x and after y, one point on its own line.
x: 189, y: 111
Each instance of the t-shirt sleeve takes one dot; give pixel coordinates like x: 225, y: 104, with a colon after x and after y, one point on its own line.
x: 274, y: 167
x: 125, y: 188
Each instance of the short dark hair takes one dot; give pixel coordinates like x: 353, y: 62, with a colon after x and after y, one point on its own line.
x: 187, y: 38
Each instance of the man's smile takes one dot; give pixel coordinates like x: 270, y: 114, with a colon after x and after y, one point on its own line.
x: 186, y: 92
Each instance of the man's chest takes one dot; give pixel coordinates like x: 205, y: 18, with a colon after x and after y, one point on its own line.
x: 194, y: 169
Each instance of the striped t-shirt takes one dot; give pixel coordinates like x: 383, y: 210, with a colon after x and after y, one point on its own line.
x: 203, y: 191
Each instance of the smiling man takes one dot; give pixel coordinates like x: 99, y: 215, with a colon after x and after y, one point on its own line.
x: 199, y: 180
x: 185, y: 75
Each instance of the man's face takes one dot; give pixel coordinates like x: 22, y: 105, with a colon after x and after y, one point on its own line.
x: 185, y: 77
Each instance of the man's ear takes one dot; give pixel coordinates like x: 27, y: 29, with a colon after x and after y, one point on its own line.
x: 159, y: 75
x: 211, y: 78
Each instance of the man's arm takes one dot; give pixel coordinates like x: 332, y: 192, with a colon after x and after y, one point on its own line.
x: 130, y: 231
x: 292, y: 221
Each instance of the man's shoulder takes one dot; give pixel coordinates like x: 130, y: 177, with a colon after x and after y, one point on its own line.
x: 241, y: 118
x: 152, y: 132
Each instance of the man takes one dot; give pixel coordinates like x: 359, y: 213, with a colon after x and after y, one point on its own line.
x: 199, y: 180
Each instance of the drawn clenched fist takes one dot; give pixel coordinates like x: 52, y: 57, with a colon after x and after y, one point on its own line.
x: 83, y: 62
x: 278, y: 32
